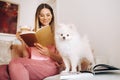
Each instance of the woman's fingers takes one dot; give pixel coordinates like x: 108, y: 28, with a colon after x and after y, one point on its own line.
x: 42, y: 49
x: 39, y: 46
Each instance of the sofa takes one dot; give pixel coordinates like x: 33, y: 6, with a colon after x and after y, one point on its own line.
x: 5, y: 58
x: 4, y: 74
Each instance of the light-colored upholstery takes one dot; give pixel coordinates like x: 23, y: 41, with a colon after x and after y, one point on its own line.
x: 5, y: 52
x: 6, y: 41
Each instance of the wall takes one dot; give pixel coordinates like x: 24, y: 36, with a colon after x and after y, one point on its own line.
x: 100, y: 20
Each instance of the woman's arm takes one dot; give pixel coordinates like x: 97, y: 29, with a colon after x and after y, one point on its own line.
x: 55, y: 56
x: 51, y: 52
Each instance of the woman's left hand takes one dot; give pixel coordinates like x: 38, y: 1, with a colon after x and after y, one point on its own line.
x: 43, y: 50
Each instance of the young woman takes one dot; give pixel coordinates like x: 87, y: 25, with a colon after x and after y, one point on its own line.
x: 49, y: 61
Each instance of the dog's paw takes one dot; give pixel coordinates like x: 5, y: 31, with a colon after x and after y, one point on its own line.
x: 74, y: 70
x: 90, y: 68
x: 65, y: 71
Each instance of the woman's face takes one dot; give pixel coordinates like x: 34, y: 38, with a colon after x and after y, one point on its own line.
x: 45, y: 17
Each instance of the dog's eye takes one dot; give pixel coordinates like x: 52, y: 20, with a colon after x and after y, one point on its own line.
x: 61, y: 34
x: 67, y: 34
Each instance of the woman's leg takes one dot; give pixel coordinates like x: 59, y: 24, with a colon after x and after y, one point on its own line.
x: 29, y: 69
x: 17, y: 71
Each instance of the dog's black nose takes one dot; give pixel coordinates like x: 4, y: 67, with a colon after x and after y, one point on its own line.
x: 64, y: 38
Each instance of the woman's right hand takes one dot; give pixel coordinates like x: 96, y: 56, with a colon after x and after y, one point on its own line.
x: 43, y: 50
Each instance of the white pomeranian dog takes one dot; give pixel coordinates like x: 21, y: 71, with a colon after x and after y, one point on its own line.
x: 72, y: 47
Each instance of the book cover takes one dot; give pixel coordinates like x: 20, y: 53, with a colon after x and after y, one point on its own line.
x: 29, y: 38
x: 44, y: 36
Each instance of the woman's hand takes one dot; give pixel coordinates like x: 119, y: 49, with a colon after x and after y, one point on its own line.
x: 43, y: 50
x: 18, y: 35
x: 19, y: 38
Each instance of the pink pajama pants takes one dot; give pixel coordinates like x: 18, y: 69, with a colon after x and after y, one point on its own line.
x: 30, y: 69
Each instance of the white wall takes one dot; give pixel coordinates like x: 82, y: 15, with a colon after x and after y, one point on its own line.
x: 100, y: 19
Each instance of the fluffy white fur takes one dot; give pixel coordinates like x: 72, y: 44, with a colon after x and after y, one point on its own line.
x: 72, y: 47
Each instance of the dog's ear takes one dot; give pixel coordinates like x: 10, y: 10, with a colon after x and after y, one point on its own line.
x: 72, y: 26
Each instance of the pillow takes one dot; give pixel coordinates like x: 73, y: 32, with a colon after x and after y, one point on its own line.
x: 5, y: 52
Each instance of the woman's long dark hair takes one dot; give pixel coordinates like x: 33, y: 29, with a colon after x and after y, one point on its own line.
x: 38, y: 24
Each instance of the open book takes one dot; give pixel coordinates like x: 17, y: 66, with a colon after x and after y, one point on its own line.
x: 97, y: 69
x: 104, y: 68
x: 44, y: 36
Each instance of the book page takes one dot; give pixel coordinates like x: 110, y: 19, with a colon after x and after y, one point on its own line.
x: 45, y: 36
x: 27, y: 32
x: 99, y: 67
x: 104, y: 68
